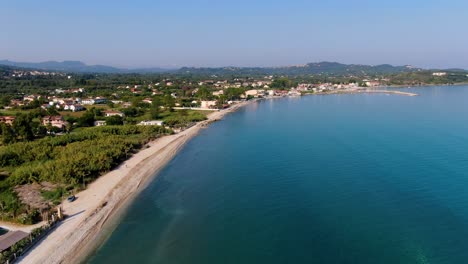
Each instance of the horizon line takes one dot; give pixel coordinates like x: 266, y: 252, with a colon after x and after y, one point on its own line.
x: 173, y: 67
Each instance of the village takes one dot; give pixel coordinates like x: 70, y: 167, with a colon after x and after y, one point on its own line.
x: 60, y: 108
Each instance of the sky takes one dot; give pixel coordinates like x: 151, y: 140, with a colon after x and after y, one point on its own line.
x: 175, y: 33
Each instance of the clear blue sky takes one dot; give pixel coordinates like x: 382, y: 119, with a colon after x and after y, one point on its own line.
x: 142, y: 33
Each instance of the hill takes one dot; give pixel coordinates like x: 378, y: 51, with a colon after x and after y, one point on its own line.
x: 77, y: 67
x: 325, y: 68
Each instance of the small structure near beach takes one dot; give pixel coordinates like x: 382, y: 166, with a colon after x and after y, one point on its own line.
x: 11, y: 238
x: 151, y: 123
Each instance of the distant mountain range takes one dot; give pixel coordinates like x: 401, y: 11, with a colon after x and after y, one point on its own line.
x: 322, y: 68
x: 77, y: 66
x: 326, y: 68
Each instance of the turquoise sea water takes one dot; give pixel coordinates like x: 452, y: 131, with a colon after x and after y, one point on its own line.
x: 318, y: 179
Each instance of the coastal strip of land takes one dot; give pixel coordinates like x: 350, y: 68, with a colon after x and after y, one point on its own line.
x: 367, y: 91
x: 105, y: 199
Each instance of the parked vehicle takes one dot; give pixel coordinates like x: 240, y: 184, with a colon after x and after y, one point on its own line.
x: 71, y: 198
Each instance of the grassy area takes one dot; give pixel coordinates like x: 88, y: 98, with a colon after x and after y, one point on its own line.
x: 55, y: 196
x: 70, y: 113
x: 12, y: 112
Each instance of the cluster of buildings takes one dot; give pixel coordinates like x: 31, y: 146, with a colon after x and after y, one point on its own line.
x: 70, y: 91
x: 25, y: 73
x: 47, y: 121
x: 54, y: 121
x: 439, y: 74
x: 256, y: 89
x: 73, y: 104
x: 68, y: 104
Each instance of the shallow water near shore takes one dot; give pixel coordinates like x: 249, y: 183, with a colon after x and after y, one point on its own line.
x: 366, y: 178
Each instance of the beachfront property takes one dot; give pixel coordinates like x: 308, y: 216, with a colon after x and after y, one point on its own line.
x: 304, y: 87
x: 294, y: 92
x: 208, y: 104
x: 255, y: 92
x: 54, y: 121
x: 151, y: 123
x: 11, y: 238
x: 371, y: 83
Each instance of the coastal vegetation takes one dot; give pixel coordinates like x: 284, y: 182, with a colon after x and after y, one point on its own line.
x: 61, y: 159
x: 71, y: 161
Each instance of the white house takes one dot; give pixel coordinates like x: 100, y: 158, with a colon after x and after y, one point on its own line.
x: 91, y: 101
x: 218, y: 93
x: 255, y: 93
x: 99, y: 123
x: 251, y: 92
x: 439, y: 74
x: 73, y: 107
x: 151, y: 123
x: 88, y: 101
x: 113, y: 113
x: 208, y: 104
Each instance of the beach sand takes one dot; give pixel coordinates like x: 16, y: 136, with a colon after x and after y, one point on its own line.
x: 101, y: 204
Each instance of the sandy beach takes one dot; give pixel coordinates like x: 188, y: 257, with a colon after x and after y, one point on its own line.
x: 100, y: 205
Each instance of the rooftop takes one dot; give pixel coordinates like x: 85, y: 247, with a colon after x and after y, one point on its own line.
x: 11, y: 238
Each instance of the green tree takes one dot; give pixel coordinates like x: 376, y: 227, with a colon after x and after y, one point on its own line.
x: 131, y: 112
x: 136, y: 102
x: 8, y: 135
x: 5, y: 100
x: 234, y: 93
x: 203, y: 93
x: 22, y: 127
x: 155, y: 108
x: 114, y: 120
x: 87, y: 119
x: 283, y: 83
x: 52, y: 111
x: 221, y: 101
x: 169, y: 102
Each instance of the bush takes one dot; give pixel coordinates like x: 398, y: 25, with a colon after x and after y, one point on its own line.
x: 55, y: 195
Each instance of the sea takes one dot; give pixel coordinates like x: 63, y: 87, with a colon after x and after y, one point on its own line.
x: 351, y: 178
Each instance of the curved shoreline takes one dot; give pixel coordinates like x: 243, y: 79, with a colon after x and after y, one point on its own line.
x: 94, y: 215
x: 99, y: 208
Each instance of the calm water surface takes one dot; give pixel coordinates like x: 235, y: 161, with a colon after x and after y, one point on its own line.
x: 318, y: 179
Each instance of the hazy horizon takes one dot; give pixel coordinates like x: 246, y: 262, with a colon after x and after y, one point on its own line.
x: 215, y: 66
x: 172, y: 34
